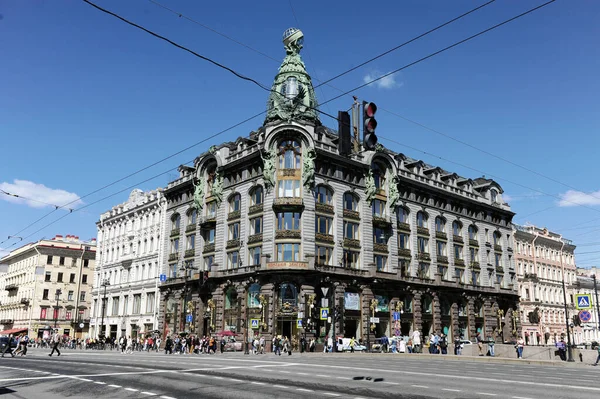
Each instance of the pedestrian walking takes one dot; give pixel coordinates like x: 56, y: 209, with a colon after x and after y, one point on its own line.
x: 480, y: 344
x: 55, y: 344
x: 598, y: 358
x: 8, y: 348
x: 491, y: 344
x: 562, y: 349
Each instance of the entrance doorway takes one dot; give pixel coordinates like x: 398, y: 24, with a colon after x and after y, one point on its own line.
x: 351, y: 328
x: 287, y: 327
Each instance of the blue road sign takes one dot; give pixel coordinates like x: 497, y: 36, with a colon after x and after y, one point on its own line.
x: 299, y: 323
x: 396, y: 316
x: 188, y: 318
x: 585, y: 316
x: 163, y: 278
x: 583, y: 301
x: 324, y: 313
x: 253, y: 323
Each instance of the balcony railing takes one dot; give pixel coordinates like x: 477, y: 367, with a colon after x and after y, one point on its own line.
x: 456, y: 238
x: 404, y: 253
x: 423, y: 256
x: 175, y: 232
x: 190, y: 252
x: 423, y: 231
x: 475, y: 266
x: 498, y: 248
x: 441, y: 235
x: 288, y: 202
x: 233, y: 243
x: 208, y: 248
x: 173, y: 256
x: 442, y: 259
x: 459, y: 262
x: 381, y: 221
x: 379, y: 247
x: 349, y: 214
x: 233, y: 215
x: 403, y: 226
x: 11, y: 287
x: 351, y: 242
x: 324, y: 237
x: 283, y: 234
x: 255, y: 238
x: 255, y: 209
x: 473, y: 243
x: 324, y: 208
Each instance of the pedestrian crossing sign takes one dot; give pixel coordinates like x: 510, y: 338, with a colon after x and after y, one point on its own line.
x: 253, y: 323
x: 324, y: 313
x: 299, y: 323
x: 583, y: 301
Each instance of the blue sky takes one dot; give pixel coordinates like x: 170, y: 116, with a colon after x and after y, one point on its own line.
x: 86, y: 99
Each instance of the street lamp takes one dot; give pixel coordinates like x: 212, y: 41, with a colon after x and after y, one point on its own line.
x: 105, y: 283
x: 186, y: 268
x: 569, y: 349
x: 57, y: 296
x: 597, y: 305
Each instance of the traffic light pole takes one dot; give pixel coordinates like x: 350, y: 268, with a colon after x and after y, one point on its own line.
x: 597, y: 305
x: 569, y: 349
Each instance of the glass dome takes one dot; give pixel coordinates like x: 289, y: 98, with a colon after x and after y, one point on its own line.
x: 289, y: 32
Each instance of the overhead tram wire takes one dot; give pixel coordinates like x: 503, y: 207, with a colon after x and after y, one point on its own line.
x: 267, y: 89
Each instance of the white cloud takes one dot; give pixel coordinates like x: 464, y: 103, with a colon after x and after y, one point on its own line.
x: 507, y: 198
x: 389, y: 82
x: 37, y: 195
x: 576, y: 198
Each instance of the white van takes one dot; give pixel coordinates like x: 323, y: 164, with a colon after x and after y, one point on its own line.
x: 343, y: 345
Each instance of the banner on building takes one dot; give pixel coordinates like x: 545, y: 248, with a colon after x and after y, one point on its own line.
x: 351, y: 301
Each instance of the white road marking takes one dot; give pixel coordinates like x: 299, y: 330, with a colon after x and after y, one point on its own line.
x: 217, y: 377
x: 487, y: 394
x: 302, y: 374
x: 323, y: 376
x: 331, y: 394
x: 131, y: 389
x: 85, y: 379
x: 343, y: 378
x: 450, y: 390
x: 99, y: 382
x: 520, y: 397
x: 115, y: 386
x: 304, y: 390
x: 148, y: 393
x: 280, y: 386
x: 235, y: 380
x: 257, y: 383
x: 167, y: 397
x: 419, y: 386
x: 391, y: 383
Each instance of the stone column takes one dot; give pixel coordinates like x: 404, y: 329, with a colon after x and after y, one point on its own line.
x: 488, y: 324
x: 417, y: 310
x: 454, y: 316
x: 366, y: 297
x: 437, y: 314
x: 471, y: 317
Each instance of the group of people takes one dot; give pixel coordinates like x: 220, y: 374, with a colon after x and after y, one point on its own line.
x: 194, y: 344
x: 22, y: 341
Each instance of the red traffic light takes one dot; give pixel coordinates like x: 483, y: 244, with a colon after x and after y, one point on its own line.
x: 370, y: 125
x: 369, y: 109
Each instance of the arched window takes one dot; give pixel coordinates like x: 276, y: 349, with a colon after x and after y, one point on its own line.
x: 472, y: 232
x: 288, y: 294
x: 402, y: 215
x: 253, y: 293
x: 494, y: 196
x: 257, y: 195
x: 422, y: 219
x: 378, y: 175
x: 497, y: 238
x: 235, y: 203
x: 440, y: 224
x: 350, y: 202
x: 231, y: 298
x: 427, y: 304
x: 323, y: 195
x: 456, y: 228
x: 192, y: 217
x: 290, y: 155
x: 176, y: 221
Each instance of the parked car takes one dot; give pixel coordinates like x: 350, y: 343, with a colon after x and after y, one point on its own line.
x: 343, y: 345
x: 233, y: 345
x: 465, y: 342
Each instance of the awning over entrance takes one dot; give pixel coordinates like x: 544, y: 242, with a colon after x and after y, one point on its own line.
x: 13, y: 331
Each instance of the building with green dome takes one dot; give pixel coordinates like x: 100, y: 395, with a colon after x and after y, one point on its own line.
x: 278, y: 233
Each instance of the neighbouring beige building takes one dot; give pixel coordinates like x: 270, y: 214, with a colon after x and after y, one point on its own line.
x: 47, y: 284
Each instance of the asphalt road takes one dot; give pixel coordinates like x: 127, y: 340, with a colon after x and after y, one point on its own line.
x: 105, y: 374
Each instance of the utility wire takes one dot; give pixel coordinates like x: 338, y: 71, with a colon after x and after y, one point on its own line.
x: 267, y: 89
x: 34, y: 200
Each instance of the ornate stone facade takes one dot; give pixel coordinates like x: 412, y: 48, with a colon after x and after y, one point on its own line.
x: 323, y: 233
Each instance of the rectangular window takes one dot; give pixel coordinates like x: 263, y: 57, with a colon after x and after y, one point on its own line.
x: 441, y: 248
x: 351, y: 230
x: 55, y: 314
x: 72, y: 278
x: 61, y: 261
x: 115, y: 306
x: 84, y: 279
x: 82, y: 296
x: 208, y: 261
x: 288, y: 252
x: 68, y: 315
x: 288, y: 221
x: 423, y: 270
x: 474, y: 254
x: 45, y: 294
x: 70, y: 296
x: 254, y: 254
x: 175, y: 246
x: 209, y: 236
x: 324, y: 255
x: 499, y: 278
x: 421, y: 220
x: 351, y: 259
x: 378, y: 207
x: 423, y: 245
x: 49, y: 261
x: 443, y: 271
x: 288, y: 188
x: 126, y: 305
x: 211, y: 209
x: 497, y: 260
x: 43, y: 313
x: 256, y: 225
x: 233, y: 260
x: 475, y: 278
x: 379, y: 235
x: 173, y: 270
x: 191, y: 241
x: 403, y: 215
x: 137, y: 303
x: 458, y: 250
x: 60, y: 277
x: 460, y: 274
x: 404, y: 266
x: 150, y: 299
x: 323, y: 224
x: 403, y: 241
x: 73, y: 262
x: 381, y: 262
x: 234, y: 231
x: 48, y: 276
